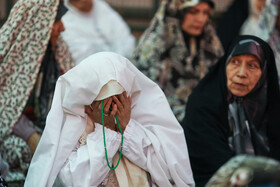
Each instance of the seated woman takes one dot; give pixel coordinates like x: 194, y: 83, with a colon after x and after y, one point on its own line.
x: 90, y: 27
x: 234, y: 109
x: 32, y: 56
x: 144, y: 141
x: 178, y: 48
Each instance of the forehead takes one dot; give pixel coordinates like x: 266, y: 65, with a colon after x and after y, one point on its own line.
x: 201, y: 6
x: 246, y: 57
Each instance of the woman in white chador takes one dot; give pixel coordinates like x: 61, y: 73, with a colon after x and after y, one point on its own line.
x: 250, y: 26
x: 145, y: 134
x: 93, y: 26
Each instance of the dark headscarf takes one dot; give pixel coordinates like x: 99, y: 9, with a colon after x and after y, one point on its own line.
x: 206, y: 122
x: 61, y: 10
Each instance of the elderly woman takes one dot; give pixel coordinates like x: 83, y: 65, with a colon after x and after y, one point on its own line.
x: 108, y: 115
x: 234, y: 109
x: 178, y: 48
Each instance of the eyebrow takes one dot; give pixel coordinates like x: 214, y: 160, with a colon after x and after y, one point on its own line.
x: 197, y: 9
x: 254, y: 60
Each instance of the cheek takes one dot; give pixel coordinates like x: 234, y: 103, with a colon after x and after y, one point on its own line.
x: 55, y: 32
x: 254, y: 79
x: 55, y: 29
x: 186, y: 21
x: 229, y: 82
x: 206, y: 20
x: 228, y: 73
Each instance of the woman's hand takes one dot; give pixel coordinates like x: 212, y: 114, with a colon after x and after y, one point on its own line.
x: 121, y: 106
x: 94, y: 112
x: 123, y: 103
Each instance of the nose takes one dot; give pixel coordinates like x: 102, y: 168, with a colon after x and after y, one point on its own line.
x: 62, y: 28
x: 201, y: 17
x: 242, y: 71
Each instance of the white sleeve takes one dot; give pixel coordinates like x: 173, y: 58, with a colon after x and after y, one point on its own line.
x: 142, y: 147
x: 87, y: 166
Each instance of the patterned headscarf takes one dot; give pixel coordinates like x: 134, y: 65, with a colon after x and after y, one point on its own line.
x: 23, y: 42
x: 184, y: 5
x: 267, y: 29
x: 162, y: 48
x: 246, y: 170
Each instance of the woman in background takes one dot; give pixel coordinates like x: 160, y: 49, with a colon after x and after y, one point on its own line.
x: 93, y: 26
x: 32, y: 56
x: 178, y: 48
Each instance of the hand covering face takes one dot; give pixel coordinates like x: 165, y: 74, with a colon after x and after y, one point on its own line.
x: 164, y: 154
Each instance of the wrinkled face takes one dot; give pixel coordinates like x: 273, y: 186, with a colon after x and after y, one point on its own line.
x: 243, y: 72
x: 83, y: 5
x: 196, y: 18
x: 58, y: 27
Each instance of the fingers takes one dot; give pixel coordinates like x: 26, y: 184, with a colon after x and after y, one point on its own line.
x: 87, y: 109
x: 129, y: 101
x: 95, y: 104
x: 114, y: 110
x: 118, y: 103
x: 122, y: 97
x: 107, y: 105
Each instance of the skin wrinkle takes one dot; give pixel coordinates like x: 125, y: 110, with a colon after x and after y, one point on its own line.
x: 196, y: 18
x: 243, y: 73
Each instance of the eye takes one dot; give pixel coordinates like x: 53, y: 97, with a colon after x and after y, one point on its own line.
x: 192, y: 11
x: 254, y: 66
x: 234, y: 61
x: 207, y: 13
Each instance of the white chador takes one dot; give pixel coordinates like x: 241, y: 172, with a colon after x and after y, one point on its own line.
x: 102, y: 29
x: 251, y: 24
x: 154, y: 147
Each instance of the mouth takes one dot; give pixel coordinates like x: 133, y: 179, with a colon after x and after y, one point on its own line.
x: 197, y: 27
x: 239, y: 85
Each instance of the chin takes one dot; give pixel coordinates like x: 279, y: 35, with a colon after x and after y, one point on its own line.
x: 239, y: 93
x: 195, y: 33
x: 88, y: 9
